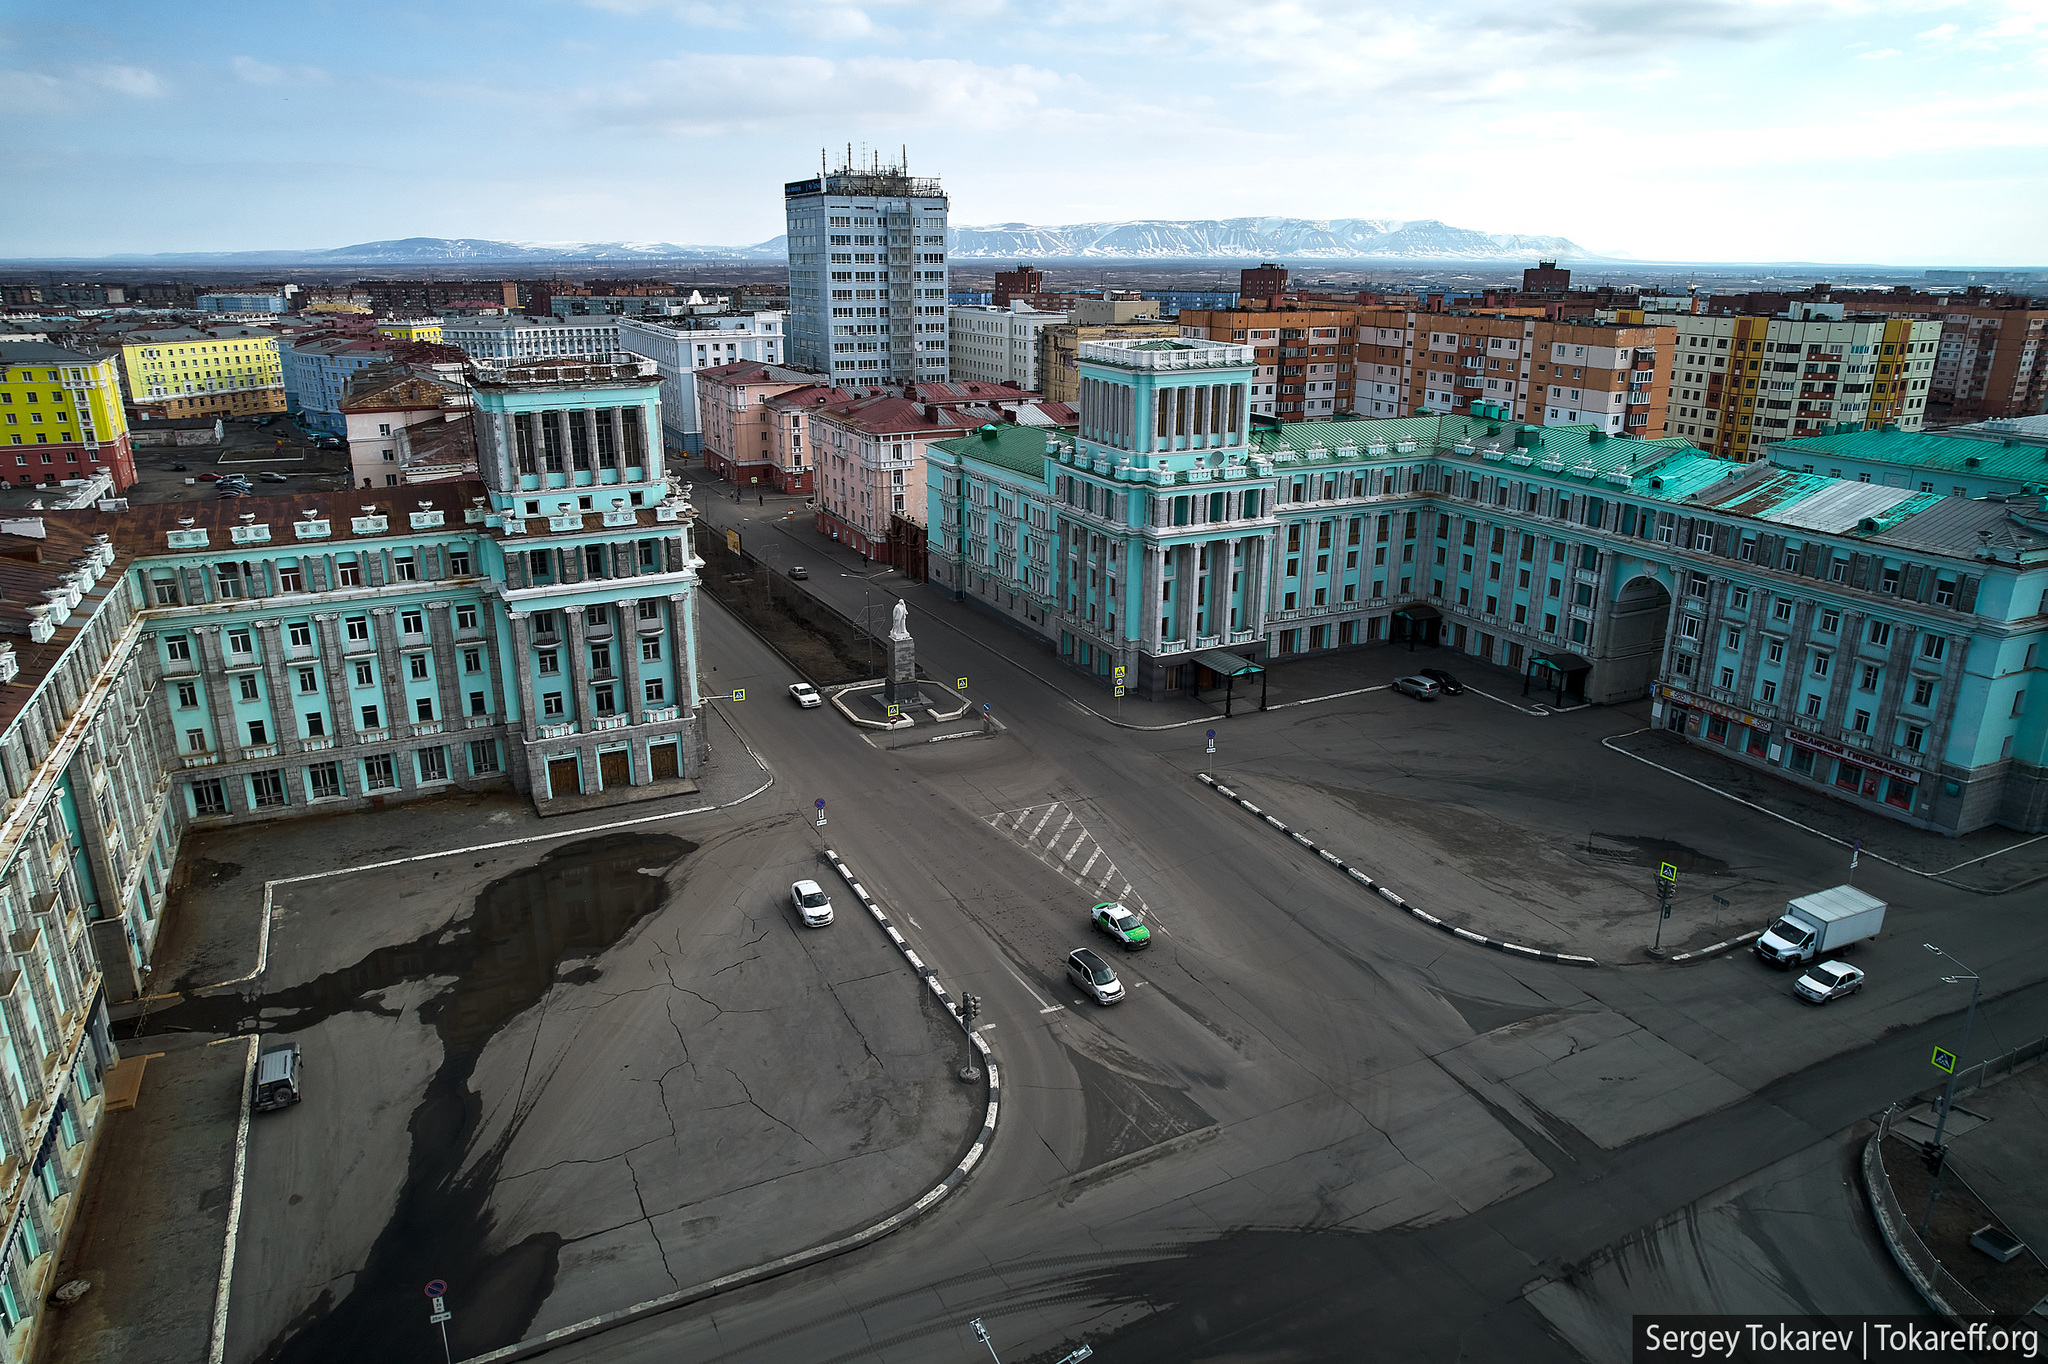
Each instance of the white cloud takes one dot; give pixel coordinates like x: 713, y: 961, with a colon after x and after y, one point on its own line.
x: 257, y: 73
x: 1879, y: 55
x: 1940, y: 33
x: 134, y: 81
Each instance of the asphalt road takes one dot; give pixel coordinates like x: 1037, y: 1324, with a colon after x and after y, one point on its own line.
x: 1317, y: 1129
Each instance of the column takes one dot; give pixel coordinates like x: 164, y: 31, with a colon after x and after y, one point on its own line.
x: 447, y: 674
x: 384, y: 634
x: 626, y: 634
x: 522, y: 667
x: 587, y: 418
x: 578, y: 650
x: 682, y: 621
x: 227, y: 737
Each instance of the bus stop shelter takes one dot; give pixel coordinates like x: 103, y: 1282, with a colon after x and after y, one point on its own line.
x: 1229, y: 667
x: 1560, y: 672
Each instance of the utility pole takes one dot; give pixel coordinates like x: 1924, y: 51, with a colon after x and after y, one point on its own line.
x: 1938, y: 1156
x: 1667, y: 883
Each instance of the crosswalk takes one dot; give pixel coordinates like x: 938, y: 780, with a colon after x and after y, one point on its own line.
x: 1055, y: 835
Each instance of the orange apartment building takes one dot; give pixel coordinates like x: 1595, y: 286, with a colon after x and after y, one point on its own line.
x: 740, y: 426
x: 1512, y: 365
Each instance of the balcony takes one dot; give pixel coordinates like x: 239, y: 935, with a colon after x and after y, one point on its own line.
x: 605, y: 722
x: 201, y: 759
x: 600, y: 630
x: 650, y: 625
x: 478, y: 721
x: 558, y: 731
x: 318, y: 744
x: 372, y: 736
x: 661, y: 715
x: 425, y: 728
x: 259, y: 751
x: 546, y: 639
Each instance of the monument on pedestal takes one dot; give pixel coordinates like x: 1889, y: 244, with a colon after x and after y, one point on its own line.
x: 899, y: 687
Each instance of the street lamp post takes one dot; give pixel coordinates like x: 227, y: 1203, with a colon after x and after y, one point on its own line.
x: 1948, y: 1097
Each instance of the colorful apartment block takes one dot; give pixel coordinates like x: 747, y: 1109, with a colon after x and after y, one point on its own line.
x: 1745, y: 383
x: 411, y: 329
x: 226, y: 371
x: 61, y: 416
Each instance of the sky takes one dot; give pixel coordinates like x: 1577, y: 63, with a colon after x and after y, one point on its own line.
x: 1894, y: 132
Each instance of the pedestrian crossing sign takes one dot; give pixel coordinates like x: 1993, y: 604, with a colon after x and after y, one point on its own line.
x: 1944, y: 1061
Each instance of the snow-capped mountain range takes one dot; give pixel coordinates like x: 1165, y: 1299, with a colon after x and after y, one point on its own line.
x: 1226, y: 239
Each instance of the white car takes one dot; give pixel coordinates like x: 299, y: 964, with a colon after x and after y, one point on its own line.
x: 805, y: 695
x: 810, y: 900
x: 1826, y: 980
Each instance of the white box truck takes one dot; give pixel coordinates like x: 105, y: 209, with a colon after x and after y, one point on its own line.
x: 1820, y: 925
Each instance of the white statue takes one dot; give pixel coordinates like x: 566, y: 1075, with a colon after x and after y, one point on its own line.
x: 899, y: 621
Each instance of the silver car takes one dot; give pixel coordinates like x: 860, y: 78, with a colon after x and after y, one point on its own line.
x: 1826, y: 980
x: 1093, y: 975
x: 1421, y: 688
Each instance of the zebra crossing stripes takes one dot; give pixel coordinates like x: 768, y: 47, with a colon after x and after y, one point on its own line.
x: 1055, y: 835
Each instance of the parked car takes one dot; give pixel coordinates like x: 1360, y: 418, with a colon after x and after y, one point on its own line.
x: 1119, y: 923
x: 805, y: 695
x: 799, y: 573
x: 265, y: 421
x: 177, y: 468
x: 1421, y: 688
x: 277, y: 1077
x: 231, y: 492
x: 1444, y: 681
x: 812, y: 903
x: 1094, y: 976
x: 328, y: 442
x: 1828, y: 980
x: 273, y: 476
x: 206, y: 477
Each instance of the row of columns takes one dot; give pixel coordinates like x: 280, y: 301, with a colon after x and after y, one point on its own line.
x: 548, y: 441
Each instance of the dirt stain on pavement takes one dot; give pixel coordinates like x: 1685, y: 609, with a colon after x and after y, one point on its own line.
x: 529, y: 926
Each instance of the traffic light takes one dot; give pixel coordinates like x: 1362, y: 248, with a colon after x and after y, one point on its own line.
x: 1930, y: 1156
x: 970, y: 1009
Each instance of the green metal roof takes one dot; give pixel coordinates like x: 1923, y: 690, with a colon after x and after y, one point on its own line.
x: 2024, y: 463
x: 1018, y: 448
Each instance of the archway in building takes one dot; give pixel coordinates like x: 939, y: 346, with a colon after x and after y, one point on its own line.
x: 1636, y: 621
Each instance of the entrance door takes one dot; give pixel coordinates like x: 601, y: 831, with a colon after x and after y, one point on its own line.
x: 563, y: 778
x: 1675, y: 717
x: 664, y: 761
x: 615, y: 768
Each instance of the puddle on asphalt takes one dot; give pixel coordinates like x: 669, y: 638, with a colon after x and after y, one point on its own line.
x: 1642, y: 851
x: 569, y: 908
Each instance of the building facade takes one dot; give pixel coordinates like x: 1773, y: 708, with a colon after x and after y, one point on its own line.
x: 739, y: 437
x: 1742, y: 384
x: 1879, y: 641
x: 63, y: 416
x: 426, y: 329
x: 317, y: 373
x: 997, y: 345
x: 272, y: 302
x: 1059, y: 351
x: 508, y: 337
x: 226, y: 371
x: 682, y: 346
x: 867, y: 275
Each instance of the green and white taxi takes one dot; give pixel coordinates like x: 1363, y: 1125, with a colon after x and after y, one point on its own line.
x: 1119, y: 923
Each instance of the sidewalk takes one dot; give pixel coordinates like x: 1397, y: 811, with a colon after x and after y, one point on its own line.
x: 212, y: 927
x: 1956, y: 859
x: 154, y: 1212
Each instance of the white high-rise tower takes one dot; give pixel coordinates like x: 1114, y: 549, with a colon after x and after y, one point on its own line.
x: 867, y: 274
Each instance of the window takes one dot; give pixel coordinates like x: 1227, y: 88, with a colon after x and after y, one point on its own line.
x: 301, y: 636
x: 1915, y: 737
x: 650, y: 650
x: 478, y: 703
x: 259, y: 733
x: 166, y: 591
x: 1768, y: 691
x: 647, y: 608
x: 209, y: 798
x: 291, y: 580
x: 1933, y: 646
x: 325, y: 780
x: 238, y: 642
x: 472, y: 660
x: 379, y: 773
x: 370, y: 717
x: 412, y: 622
x: 1923, y: 691
x: 465, y: 618
x: 655, y: 690
x: 365, y: 677
x: 195, y: 741
x: 1830, y: 622
x: 1880, y: 632
x: 357, y: 629
x: 316, y: 724
x: 1812, y: 707
x: 1735, y: 639
x: 483, y: 756
x: 551, y: 703
x: 458, y: 566
x: 1870, y: 671
x: 246, y: 683
x: 1820, y: 664
x: 1727, y: 678
x: 1781, y: 610
x: 1861, y: 723
x: 549, y: 662
x: 268, y: 788
x: 188, y: 694
x: 423, y: 708
x: 348, y: 575
x: 433, y: 764
x: 1738, y: 598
